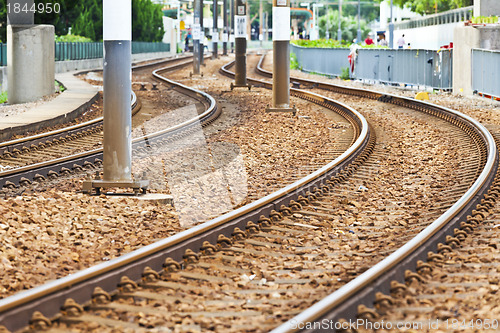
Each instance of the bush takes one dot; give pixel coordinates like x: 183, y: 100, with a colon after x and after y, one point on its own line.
x: 331, y: 44
x: 345, y: 73
x: 294, y: 64
x: 73, y: 39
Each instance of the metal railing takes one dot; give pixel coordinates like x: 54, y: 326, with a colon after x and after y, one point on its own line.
x: 3, y: 54
x: 91, y: 50
x: 78, y: 51
x: 412, y: 67
x: 321, y: 60
x: 486, y: 72
x: 428, y: 68
x: 450, y: 16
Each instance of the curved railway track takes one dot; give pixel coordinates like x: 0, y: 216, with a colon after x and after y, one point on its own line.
x: 258, y: 263
x: 22, y: 306
x: 76, y: 148
x: 409, y: 264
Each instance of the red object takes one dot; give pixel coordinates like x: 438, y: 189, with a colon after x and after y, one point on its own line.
x: 368, y: 41
x: 351, y: 62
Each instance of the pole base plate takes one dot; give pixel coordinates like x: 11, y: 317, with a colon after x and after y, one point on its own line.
x: 234, y: 85
x: 283, y: 109
x: 98, y: 184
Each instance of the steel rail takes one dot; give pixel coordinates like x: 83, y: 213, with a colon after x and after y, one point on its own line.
x: 35, y: 139
x: 14, y: 176
x: 15, y: 310
x: 342, y: 303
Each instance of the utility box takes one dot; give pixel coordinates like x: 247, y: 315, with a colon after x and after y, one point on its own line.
x: 30, y: 62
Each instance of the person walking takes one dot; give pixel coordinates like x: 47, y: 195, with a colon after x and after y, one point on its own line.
x: 401, y: 42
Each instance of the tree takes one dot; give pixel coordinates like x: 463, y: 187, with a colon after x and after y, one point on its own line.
x: 348, y: 24
x: 89, y: 21
x: 429, y: 6
x: 85, y: 19
x: 147, y: 21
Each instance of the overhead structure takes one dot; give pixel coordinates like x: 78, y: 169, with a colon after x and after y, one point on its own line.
x: 240, y: 36
x: 117, y: 90
x: 281, y: 57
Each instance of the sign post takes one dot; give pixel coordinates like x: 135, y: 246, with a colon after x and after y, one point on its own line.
x: 281, y: 57
x: 117, y: 91
x: 240, y: 37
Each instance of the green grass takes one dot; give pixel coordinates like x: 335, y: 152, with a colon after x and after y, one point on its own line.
x: 331, y: 44
x: 294, y: 64
x: 3, y: 97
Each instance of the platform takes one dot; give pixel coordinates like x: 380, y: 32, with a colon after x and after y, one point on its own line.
x: 68, y: 105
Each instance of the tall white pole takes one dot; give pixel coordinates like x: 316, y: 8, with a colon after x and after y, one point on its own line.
x: 117, y: 91
x: 117, y: 33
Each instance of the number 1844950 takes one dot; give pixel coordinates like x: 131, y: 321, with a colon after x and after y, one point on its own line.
x: 40, y: 8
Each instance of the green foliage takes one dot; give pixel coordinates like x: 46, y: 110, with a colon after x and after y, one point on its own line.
x: 72, y: 39
x: 348, y: 24
x: 147, y: 21
x: 322, y: 43
x: 484, y: 19
x: 294, y: 64
x: 84, y: 17
x: 3, y: 20
x: 345, y: 73
x: 331, y: 44
x: 89, y: 21
x: 428, y: 6
x: 3, y: 97
x: 61, y: 21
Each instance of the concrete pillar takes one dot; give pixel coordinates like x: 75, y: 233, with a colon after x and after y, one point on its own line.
x: 30, y: 62
x: 486, y: 7
x: 465, y: 38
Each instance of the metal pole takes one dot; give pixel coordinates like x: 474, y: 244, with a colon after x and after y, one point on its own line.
x: 225, y: 32
x: 327, y: 32
x: 339, y: 33
x: 117, y: 90
x: 261, y: 35
x: 231, y: 33
x: 240, y: 34
x: 266, y: 20
x: 215, y: 31
x: 358, y: 37
x: 202, y: 34
x: 196, y: 38
x: 391, y: 30
x: 281, y: 57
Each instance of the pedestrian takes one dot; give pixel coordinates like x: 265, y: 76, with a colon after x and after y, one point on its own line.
x: 383, y: 41
x: 369, y: 40
x: 186, y: 47
x: 401, y: 42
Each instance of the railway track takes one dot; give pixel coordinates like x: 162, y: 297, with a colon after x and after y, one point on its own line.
x: 78, y: 148
x: 211, y: 230
x: 286, y: 251
x: 428, y: 300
